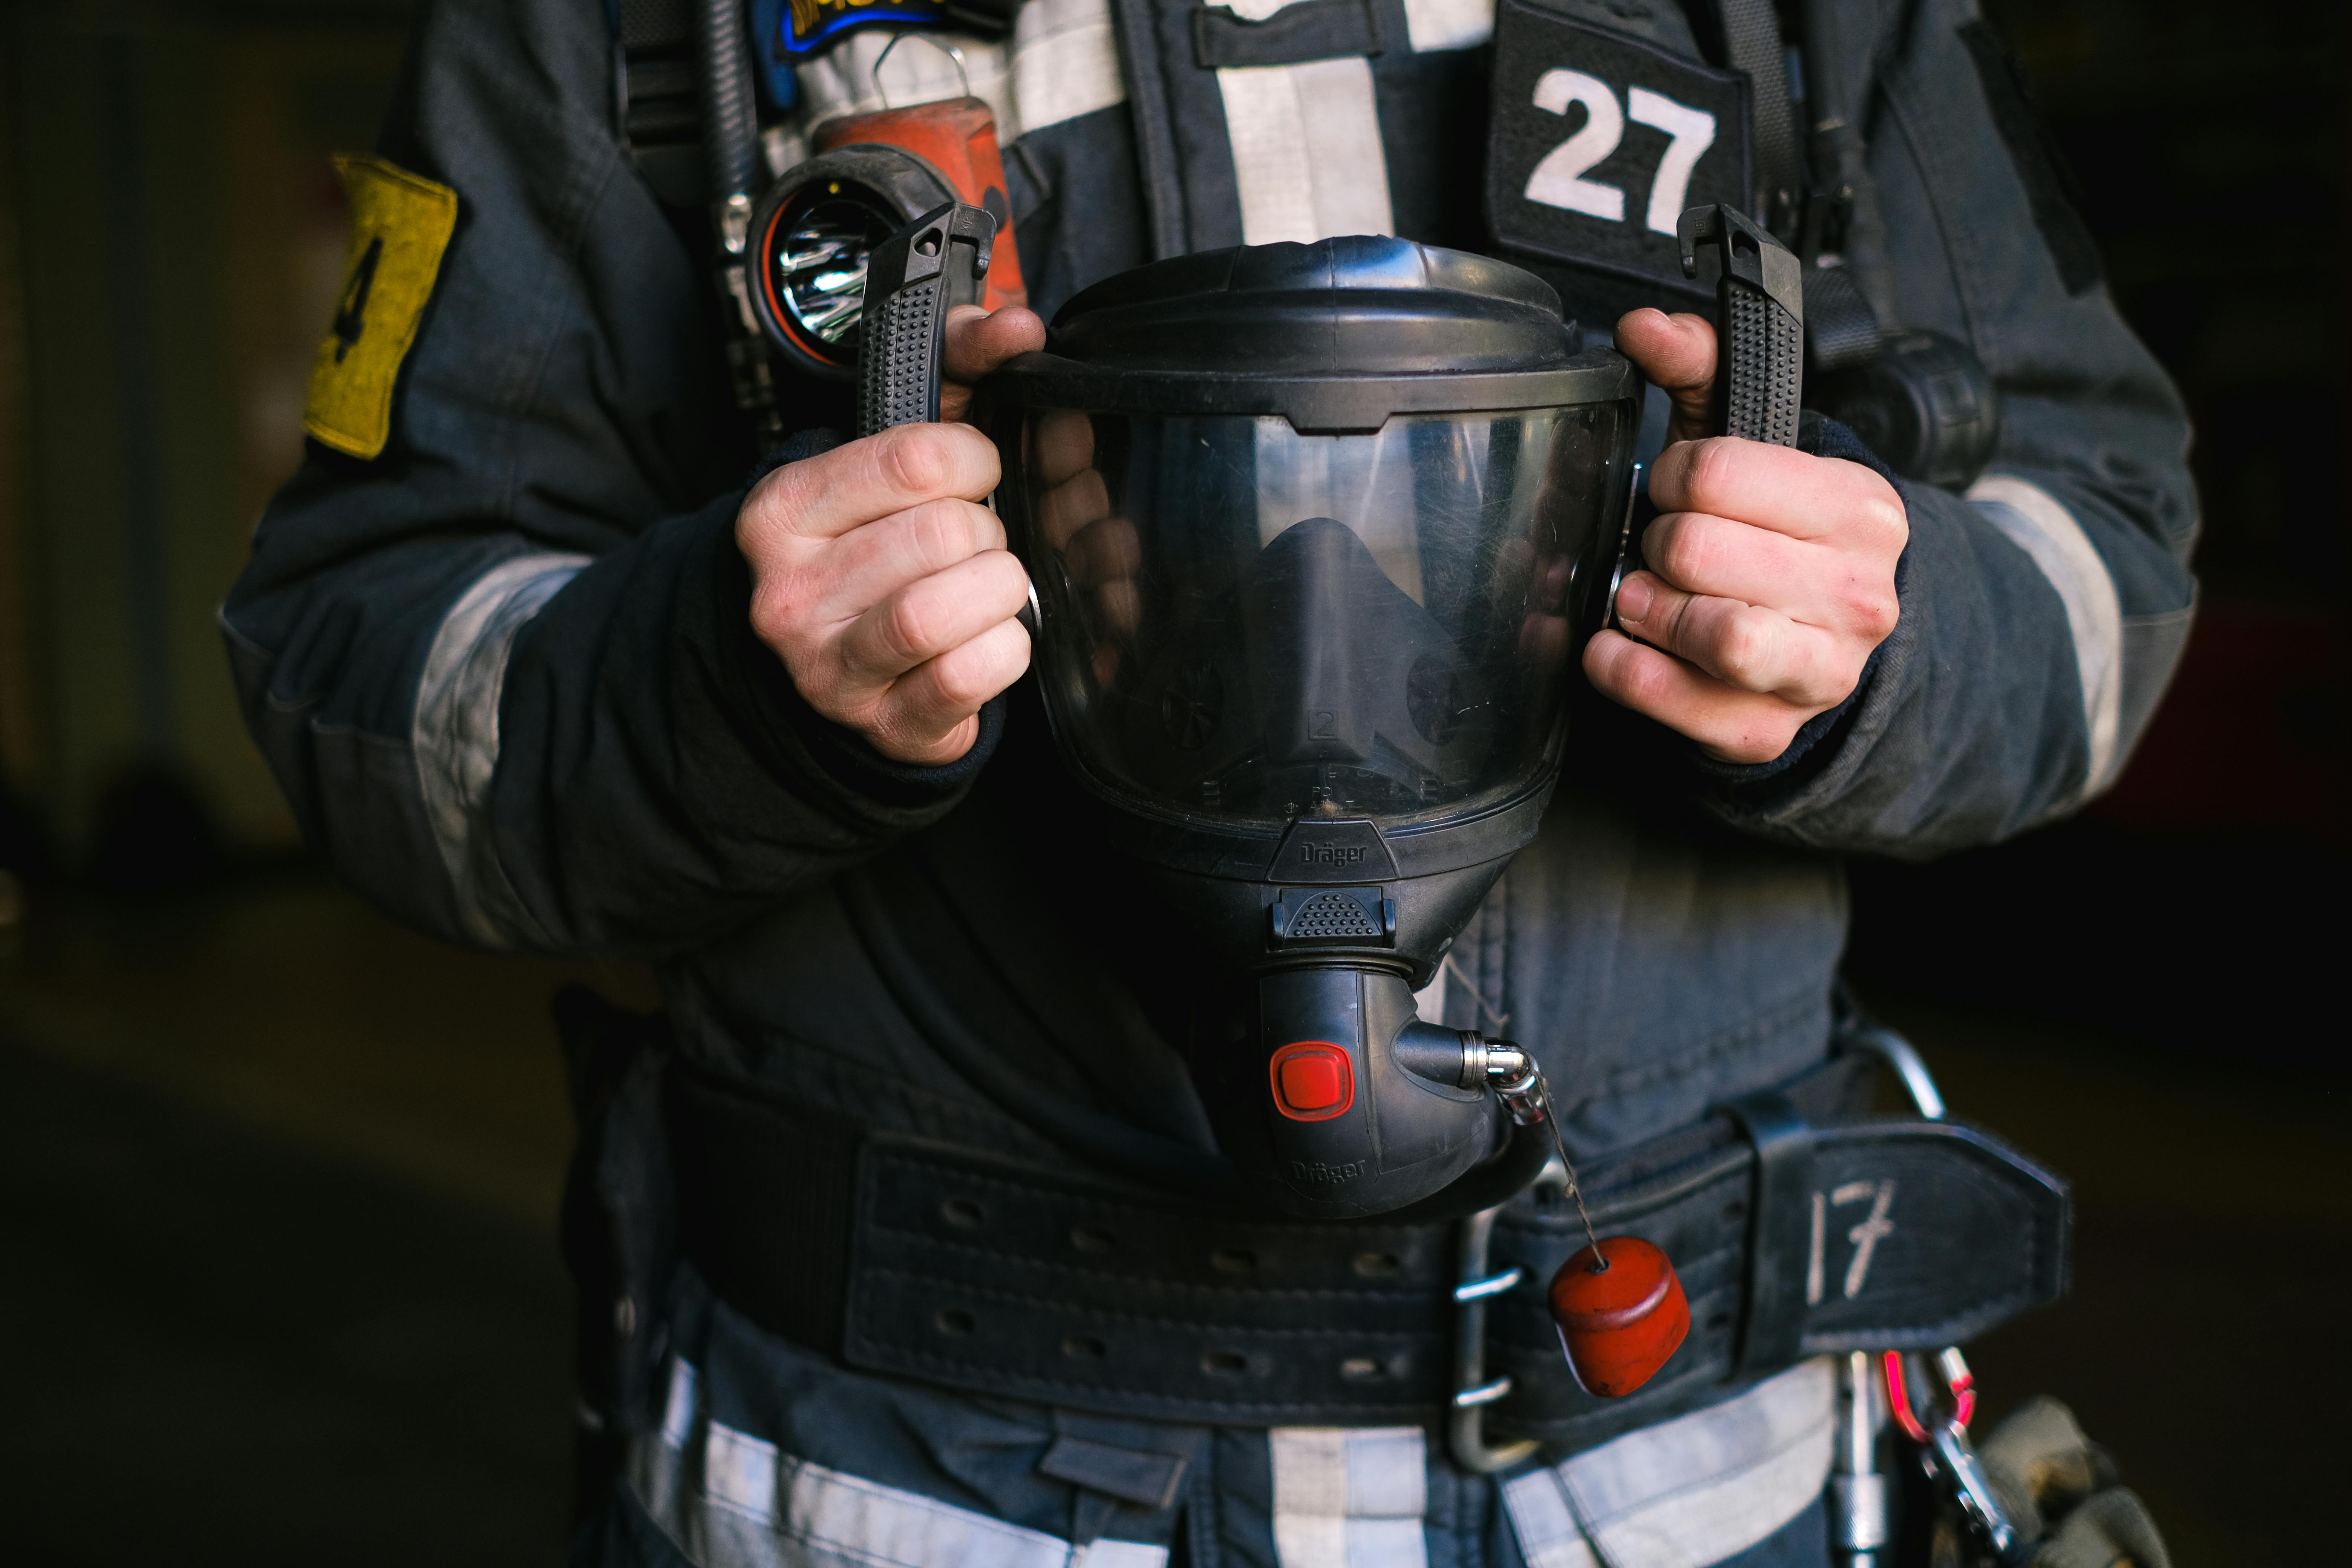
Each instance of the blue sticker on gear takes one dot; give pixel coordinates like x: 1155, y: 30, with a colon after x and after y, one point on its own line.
x: 804, y: 27
x: 1598, y: 141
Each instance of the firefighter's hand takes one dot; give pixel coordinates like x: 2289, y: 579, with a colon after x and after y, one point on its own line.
x: 977, y: 341
x: 1771, y: 574
x: 882, y: 582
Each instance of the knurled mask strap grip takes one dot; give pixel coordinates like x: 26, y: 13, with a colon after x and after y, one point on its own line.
x: 915, y: 278
x: 1759, y: 326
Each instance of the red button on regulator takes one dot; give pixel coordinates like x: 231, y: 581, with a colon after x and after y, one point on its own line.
x: 1313, y: 1080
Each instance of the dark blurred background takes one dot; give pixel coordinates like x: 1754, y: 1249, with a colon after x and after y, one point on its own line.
x: 278, y: 1276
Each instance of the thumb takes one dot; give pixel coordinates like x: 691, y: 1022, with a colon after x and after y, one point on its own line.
x: 977, y: 341
x: 1678, y: 354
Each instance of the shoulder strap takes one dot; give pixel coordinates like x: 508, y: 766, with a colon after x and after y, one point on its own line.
x: 1751, y: 43
x: 658, y: 88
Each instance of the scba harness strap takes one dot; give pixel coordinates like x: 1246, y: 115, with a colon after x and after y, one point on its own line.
x: 916, y: 1259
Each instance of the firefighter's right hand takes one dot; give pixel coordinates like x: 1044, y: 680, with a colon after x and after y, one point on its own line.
x: 884, y: 586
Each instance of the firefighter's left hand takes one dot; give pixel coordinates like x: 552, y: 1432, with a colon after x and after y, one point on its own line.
x: 1771, y: 574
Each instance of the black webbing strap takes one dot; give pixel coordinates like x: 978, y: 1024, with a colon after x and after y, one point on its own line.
x: 659, y: 87
x: 1839, y: 325
x: 1778, y: 1228
x: 1842, y: 327
x: 1751, y: 43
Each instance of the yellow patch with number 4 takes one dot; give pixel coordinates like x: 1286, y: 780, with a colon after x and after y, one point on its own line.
x: 401, y: 223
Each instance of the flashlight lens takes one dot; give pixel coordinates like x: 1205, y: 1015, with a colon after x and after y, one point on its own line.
x: 820, y: 269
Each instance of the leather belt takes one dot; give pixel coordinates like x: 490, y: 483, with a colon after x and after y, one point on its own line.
x: 920, y: 1259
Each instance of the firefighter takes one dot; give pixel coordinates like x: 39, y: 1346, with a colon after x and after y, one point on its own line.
x: 550, y: 656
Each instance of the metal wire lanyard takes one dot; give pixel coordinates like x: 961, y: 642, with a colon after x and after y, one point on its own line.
x: 1523, y: 1092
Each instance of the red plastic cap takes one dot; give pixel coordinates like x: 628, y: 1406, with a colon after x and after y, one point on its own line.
x: 1620, y: 1325
x: 1313, y: 1080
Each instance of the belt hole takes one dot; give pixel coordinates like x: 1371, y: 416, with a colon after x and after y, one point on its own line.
x: 1084, y: 1347
x: 1377, y: 1265
x: 954, y: 1322
x: 962, y: 1212
x: 1224, y: 1364
x: 1092, y: 1239
x: 1734, y: 1210
x: 1720, y: 1323
x: 1232, y: 1260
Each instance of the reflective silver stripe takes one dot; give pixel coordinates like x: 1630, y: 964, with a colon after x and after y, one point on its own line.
x: 1435, y: 24
x: 455, y: 730
x: 1693, y: 1490
x: 1349, y: 1497
x: 759, y: 1508
x: 1065, y: 63
x: 1061, y: 62
x: 2033, y: 521
x: 1306, y: 148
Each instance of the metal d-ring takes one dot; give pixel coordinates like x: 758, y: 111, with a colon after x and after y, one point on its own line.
x: 950, y: 50
x: 1465, y: 1434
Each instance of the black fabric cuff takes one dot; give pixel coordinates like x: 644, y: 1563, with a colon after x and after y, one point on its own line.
x: 813, y: 442
x: 1816, y: 741
x: 852, y: 759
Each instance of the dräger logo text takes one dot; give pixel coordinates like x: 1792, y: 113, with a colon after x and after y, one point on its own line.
x: 1302, y: 1171
x: 1331, y: 854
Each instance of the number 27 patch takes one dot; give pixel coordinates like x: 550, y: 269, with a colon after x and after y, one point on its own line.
x: 1598, y: 141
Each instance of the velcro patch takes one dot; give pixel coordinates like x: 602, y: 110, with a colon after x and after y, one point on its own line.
x: 401, y: 223
x: 1598, y: 141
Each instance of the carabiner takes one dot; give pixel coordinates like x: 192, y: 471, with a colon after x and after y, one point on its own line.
x: 1949, y: 1455
x: 1958, y: 1381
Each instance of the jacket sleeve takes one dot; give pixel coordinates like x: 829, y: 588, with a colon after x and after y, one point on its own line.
x: 505, y: 671
x: 2042, y: 613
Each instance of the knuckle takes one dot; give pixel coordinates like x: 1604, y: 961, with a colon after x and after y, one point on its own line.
x: 779, y: 607
x: 1715, y: 464
x: 913, y: 460
x: 910, y: 626
x: 1880, y: 520
x: 1875, y: 615
x: 1645, y: 681
x: 1744, y: 649
x: 1688, y: 551
x: 960, y: 679
x: 1867, y: 605
x: 941, y: 533
x: 982, y: 527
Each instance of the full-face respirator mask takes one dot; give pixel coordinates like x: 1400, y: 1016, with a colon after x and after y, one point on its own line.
x: 1315, y: 532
